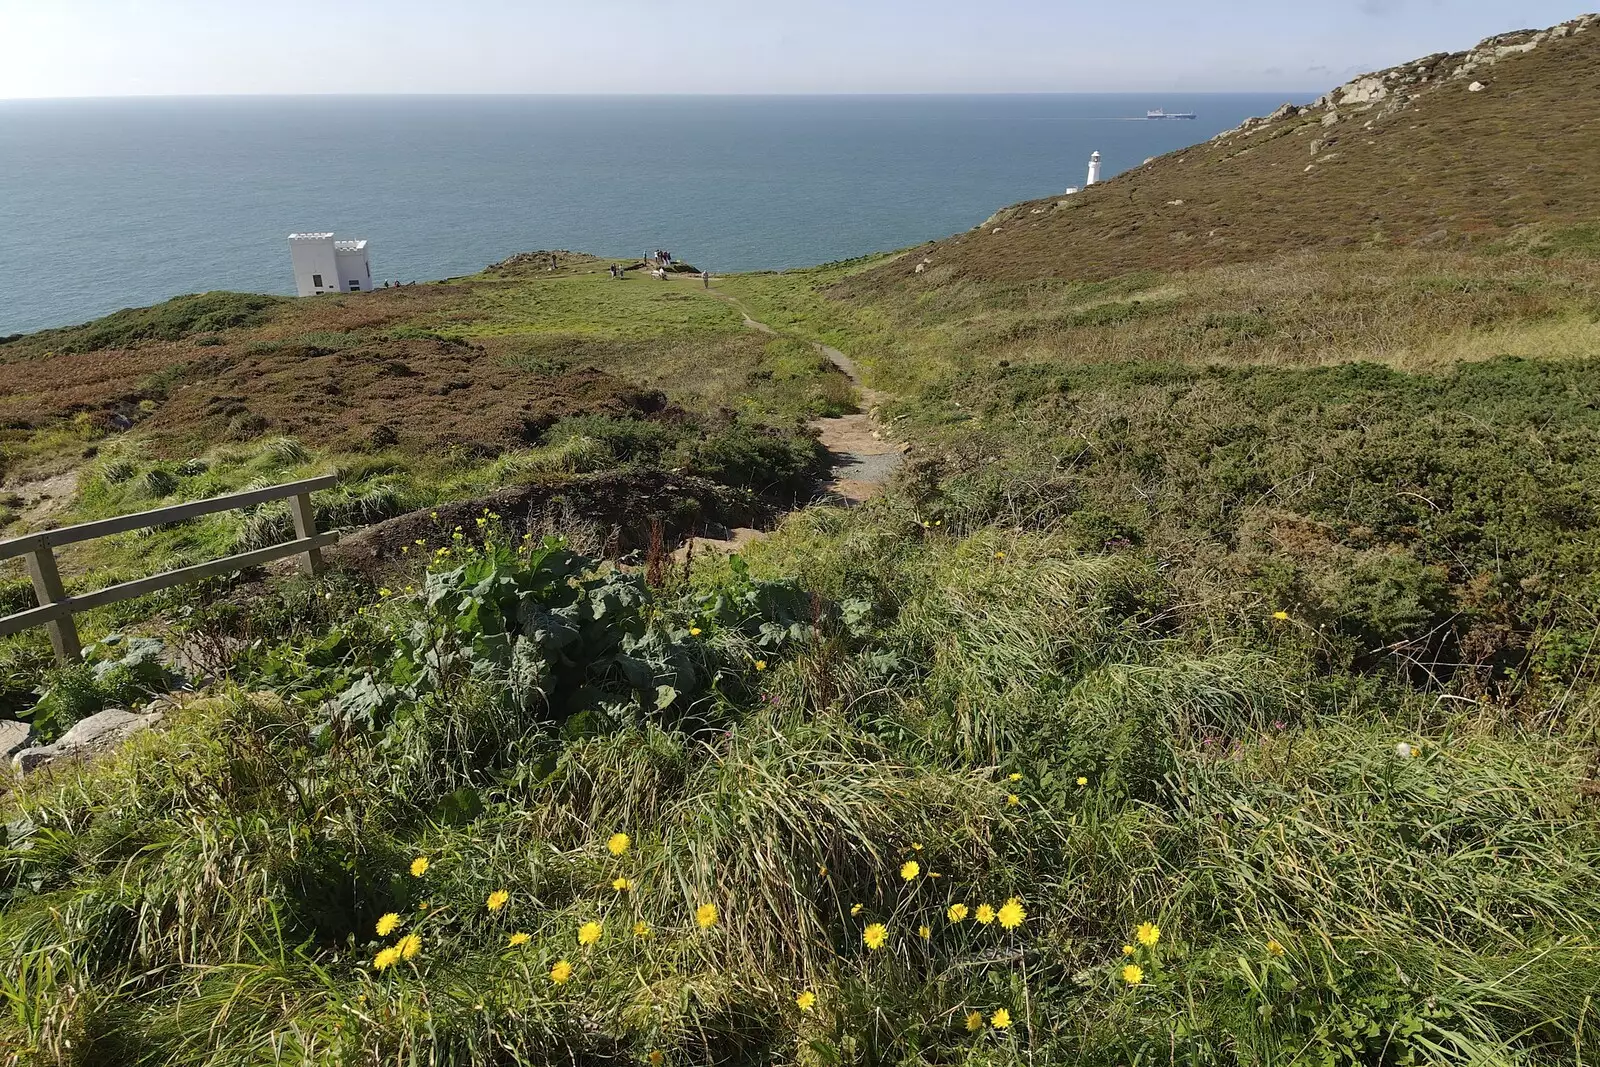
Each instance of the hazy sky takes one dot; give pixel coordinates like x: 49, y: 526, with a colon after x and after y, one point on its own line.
x: 143, y: 47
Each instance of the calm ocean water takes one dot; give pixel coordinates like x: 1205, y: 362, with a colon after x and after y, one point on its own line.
x: 107, y: 204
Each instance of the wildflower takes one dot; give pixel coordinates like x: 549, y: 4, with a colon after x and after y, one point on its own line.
x: 875, y: 936
x: 642, y: 929
x: 409, y: 946
x: 1148, y: 934
x: 855, y: 909
x: 1000, y: 1019
x: 433, y: 514
x: 1274, y: 946
x: 388, y: 923
x: 974, y: 1021
x: 386, y: 959
x: 1127, y: 950
x: 957, y: 912
x: 916, y: 846
x: 1082, y: 780
x: 1133, y: 974
x: 910, y: 869
x: 420, y: 541
x: 822, y: 871
x: 1016, y: 777
x: 589, y: 933
x: 622, y: 885
x: 657, y: 1057
x: 1012, y: 800
x: 497, y: 899
x: 561, y: 972
x: 924, y: 931
x: 694, y: 631
x: 1012, y: 913
x: 761, y: 664
x: 1405, y: 751
x: 999, y: 555
x: 619, y: 843
x: 386, y: 591
x: 806, y: 1000
x: 419, y: 866
x: 706, y: 916
x: 985, y: 914
x: 1281, y: 616
x: 518, y: 938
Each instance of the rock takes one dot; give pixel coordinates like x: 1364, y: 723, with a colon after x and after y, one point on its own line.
x: 97, y: 734
x: 1368, y: 90
x: 1476, y: 87
x: 13, y: 735
x: 1331, y: 118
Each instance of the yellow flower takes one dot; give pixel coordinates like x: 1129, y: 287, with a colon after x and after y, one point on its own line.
x: 386, y: 959
x: 855, y: 909
x: 419, y: 866
x: 706, y: 916
x: 409, y: 946
x: 1274, y: 947
x: 1148, y: 934
x: 1082, y: 780
x: 657, y: 1057
x: 1012, y: 800
x: 619, y: 843
x: 985, y: 914
x: 910, y: 869
x: 497, y: 899
x: 388, y: 923
x: 974, y: 1021
x: 590, y: 932
x: 642, y: 929
x: 806, y: 1000
x: 1015, y: 777
x: 999, y: 555
x: 561, y: 972
x: 1127, y: 950
x: 622, y: 885
x: 1133, y: 974
x: 694, y: 631
x: 1000, y: 1019
x: 875, y: 936
x: 957, y: 912
x: 761, y: 664
x: 1281, y: 616
x: 924, y: 931
x: 916, y: 846
x: 1012, y: 913
x: 385, y: 591
x: 518, y: 938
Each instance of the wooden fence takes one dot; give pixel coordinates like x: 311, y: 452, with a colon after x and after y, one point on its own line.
x: 56, y: 608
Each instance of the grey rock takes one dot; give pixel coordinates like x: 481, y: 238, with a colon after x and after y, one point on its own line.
x: 1476, y: 87
x: 98, y: 733
x: 13, y: 736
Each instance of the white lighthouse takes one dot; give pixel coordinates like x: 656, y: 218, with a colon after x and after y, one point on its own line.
x: 323, y: 265
x: 1094, y: 170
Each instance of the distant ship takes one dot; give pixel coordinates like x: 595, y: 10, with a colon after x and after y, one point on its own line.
x: 1158, y: 113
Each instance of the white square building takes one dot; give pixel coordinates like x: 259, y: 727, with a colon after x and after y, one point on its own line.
x: 323, y: 265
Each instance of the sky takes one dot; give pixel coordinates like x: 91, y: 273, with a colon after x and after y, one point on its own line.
x: 61, y: 48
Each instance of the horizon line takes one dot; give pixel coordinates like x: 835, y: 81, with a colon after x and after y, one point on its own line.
x: 647, y: 96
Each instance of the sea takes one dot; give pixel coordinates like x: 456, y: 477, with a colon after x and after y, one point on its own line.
x: 106, y: 204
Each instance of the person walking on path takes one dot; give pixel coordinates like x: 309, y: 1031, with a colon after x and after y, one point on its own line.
x: 705, y: 278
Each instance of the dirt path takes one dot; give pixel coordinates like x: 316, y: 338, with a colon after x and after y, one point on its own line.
x: 864, y: 455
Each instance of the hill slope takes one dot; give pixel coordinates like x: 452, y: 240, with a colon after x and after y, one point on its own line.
x: 1409, y: 155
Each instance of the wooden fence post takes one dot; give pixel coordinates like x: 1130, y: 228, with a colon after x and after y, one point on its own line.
x: 48, y: 590
x: 305, y: 525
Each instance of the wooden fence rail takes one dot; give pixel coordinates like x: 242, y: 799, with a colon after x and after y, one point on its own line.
x: 56, y: 608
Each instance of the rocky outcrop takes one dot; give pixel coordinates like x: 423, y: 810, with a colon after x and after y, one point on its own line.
x: 97, y: 734
x: 13, y: 737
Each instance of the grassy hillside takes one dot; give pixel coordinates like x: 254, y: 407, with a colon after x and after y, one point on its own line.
x: 1215, y: 685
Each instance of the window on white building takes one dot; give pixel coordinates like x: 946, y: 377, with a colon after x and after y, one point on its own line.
x: 355, y: 287
x: 316, y: 280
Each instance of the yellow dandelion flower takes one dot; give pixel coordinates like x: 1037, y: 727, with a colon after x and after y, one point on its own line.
x: 1127, y: 950
x: 419, y: 866
x: 910, y: 869
x: 518, y: 938
x: 589, y: 933
x: 924, y: 931
x: 916, y: 846
x: 561, y: 972
x: 1281, y: 616
x: 985, y: 914
x: 618, y: 844
x: 974, y: 1021
x: 855, y: 909
x: 385, y: 591
x: 497, y: 900
x: 761, y: 664
x: 388, y: 923
x: 1012, y: 800
x: 806, y: 1000
x: 1015, y: 777
x: 1274, y: 946
x: 1000, y: 1019
x: 657, y: 1057
x: 999, y: 555
x: 385, y: 959
x: 1133, y: 974
x: 1011, y: 914
x: 957, y: 912
x: 621, y: 885
x: 642, y: 929
x: 875, y: 936
x: 694, y: 631
x: 706, y: 916
x: 1148, y: 934
x: 1082, y: 780
x: 409, y: 946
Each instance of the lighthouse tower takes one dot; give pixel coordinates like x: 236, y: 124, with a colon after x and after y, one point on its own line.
x: 1094, y: 170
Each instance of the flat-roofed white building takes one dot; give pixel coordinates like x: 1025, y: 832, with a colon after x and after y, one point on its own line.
x: 323, y: 265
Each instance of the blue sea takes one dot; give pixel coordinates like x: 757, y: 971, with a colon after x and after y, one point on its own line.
x: 106, y: 204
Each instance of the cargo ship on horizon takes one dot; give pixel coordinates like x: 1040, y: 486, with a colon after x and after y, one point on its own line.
x: 1159, y: 113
